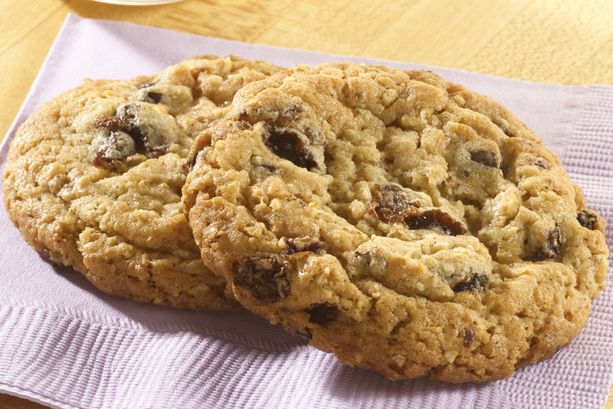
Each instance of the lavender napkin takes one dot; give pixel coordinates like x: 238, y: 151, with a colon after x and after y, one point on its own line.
x: 67, y: 345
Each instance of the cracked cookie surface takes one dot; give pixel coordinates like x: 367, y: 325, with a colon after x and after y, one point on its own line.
x: 400, y: 221
x: 94, y: 179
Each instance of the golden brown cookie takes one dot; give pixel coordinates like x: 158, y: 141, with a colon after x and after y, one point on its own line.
x: 402, y: 222
x: 94, y: 179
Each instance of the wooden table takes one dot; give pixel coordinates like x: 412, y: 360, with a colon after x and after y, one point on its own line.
x: 554, y: 41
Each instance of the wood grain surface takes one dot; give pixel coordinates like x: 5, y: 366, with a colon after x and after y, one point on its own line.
x: 555, y: 41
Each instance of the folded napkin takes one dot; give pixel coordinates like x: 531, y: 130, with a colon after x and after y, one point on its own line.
x: 67, y: 345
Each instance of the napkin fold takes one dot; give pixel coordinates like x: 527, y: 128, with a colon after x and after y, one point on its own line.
x: 67, y: 345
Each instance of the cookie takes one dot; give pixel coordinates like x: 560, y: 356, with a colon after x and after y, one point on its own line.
x: 400, y: 221
x: 94, y: 177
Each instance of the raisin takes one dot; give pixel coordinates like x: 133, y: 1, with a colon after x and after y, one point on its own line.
x: 541, y: 163
x: 267, y: 277
x: 587, y: 218
x: 113, y: 124
x: 436, y: 220
x: 484, y: 157
x: 244, y: 116
x: 154, y: 97
x: 289, y: 145
x: 469, y: 336
x: 102, y: 162
x: 322, y: 314
x: 157, y: 151
x: 147, y: 140
x: 138, y: 126
x: 392, y: 204
x: 112, y: 149
x: 124, y: 122
x: 298, y: 244
x: 551, y: 249
x: 476, y: 282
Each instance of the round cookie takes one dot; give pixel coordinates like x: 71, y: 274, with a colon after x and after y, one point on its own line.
x: 94, y: 179
x: 400, y: 221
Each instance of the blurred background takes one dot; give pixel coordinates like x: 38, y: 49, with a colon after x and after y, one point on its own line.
x: 553, y: 41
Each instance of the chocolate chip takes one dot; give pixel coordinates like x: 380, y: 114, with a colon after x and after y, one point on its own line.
x: 154, y: 97
x: 322, y: 314
x: 541, y: 163
x: 288, y: 144
x: 551, y: 248
x: 587, y: 218
x: 484, y: 157
x: 476, y: 282
x: 299, y: 244
x: 436, y: 220
x: 392, y: 204
x: 266, y: 277
x: 469, y: 336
